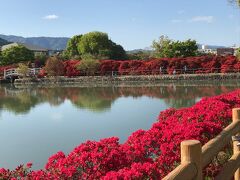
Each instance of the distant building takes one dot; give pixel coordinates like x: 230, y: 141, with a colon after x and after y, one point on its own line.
x: 207, y: 50
x: 235, y: 47
x: 225, y: 51
x: 54, y: 52
x: 35, y: 49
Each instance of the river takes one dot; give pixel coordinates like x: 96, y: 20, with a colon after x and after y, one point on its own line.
x: 38, y: 121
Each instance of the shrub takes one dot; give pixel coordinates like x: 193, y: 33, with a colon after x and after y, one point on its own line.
x: 70, y: 67
x: 88, y: 65
x: 23, y: 69
x: 16, y: 54
x: 54, y: 67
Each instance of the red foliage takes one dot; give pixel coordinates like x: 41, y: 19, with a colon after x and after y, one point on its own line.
x: 42, y: 73
x: 203, y: 64
x: 70, y: 67
x: 149, y: 153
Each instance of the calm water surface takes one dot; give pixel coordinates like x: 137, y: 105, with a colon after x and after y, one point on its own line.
x: 36, y: 122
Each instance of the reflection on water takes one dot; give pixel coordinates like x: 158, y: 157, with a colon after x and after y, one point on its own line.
x: 22, y: 100
x: 36, y: 122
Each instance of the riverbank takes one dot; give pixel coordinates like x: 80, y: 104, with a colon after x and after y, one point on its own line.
x: 103, y: 80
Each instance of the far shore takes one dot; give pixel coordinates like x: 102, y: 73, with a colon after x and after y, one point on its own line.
x: 148, y: 79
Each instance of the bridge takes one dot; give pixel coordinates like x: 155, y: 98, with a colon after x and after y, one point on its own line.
x: 13, y: 72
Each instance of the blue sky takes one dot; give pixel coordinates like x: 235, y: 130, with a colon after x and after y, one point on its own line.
x: 131, y: 23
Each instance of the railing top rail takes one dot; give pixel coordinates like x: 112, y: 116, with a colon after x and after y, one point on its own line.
x: 184, y: 171
x: 11, y: 69
x: 230, y: 167
x: 14, y: 71
x: 212, y: 147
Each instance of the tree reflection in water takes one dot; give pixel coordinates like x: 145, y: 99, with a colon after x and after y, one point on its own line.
x: 100, y: 99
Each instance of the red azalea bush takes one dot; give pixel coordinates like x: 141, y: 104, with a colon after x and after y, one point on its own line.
x: 190, y: 65
x: 70, y: 67
x: 149, y: 154
x: 203, y: 64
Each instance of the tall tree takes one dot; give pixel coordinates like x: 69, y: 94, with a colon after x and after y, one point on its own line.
x: 1, y: 58
x: 117, y: 51
x: 16, y: 54
x: 22, y: 69
x: 94, y: 43
x: 89, y: 64
x: 72, y: 47
x: 238, y: 53
x: 162, y: 47
x: 54, y: 66
x: 165, y: 47
x: 99, y: 45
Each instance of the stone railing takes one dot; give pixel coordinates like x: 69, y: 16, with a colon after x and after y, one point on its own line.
x: 140, y: 78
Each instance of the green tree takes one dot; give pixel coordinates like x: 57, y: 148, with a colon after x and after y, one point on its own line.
x: 72, y: 47
x: 99, y: 45
x: 16, y: 54
x: 185, y: 48
x: 140, y: 55
x: 117, y: 51
x: 94, y: 43
x: 89, y: 64
x: 1, y: 58
x: 162, y: 47
x: 40, y: 60
x: 54, y: 66
x: 23, y: 69
x: 165, y: 47
x: 238, y: 53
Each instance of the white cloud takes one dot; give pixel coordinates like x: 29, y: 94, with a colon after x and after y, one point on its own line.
x: 176, y: 21
x: 205, y: 19
x: 51, y: 17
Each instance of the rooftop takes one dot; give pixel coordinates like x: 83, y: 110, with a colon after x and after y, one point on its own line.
x: 28, y: 46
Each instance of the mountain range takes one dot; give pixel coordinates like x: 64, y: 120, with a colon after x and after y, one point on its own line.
x: 60, y: 43
x: 3, y: 42
x: 149, y: 49
x: 52, y: 43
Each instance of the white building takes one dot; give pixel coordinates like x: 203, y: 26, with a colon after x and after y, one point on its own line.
x: 207, y: 50
x: 235, y: 47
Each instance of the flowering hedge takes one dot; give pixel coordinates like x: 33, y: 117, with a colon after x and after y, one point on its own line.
x: 70, y: 68
x: 147, y: 154
x: 203, y: 64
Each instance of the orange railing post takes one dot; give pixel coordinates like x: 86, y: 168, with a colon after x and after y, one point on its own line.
x: 191, y: 152
x: 236, y: 149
